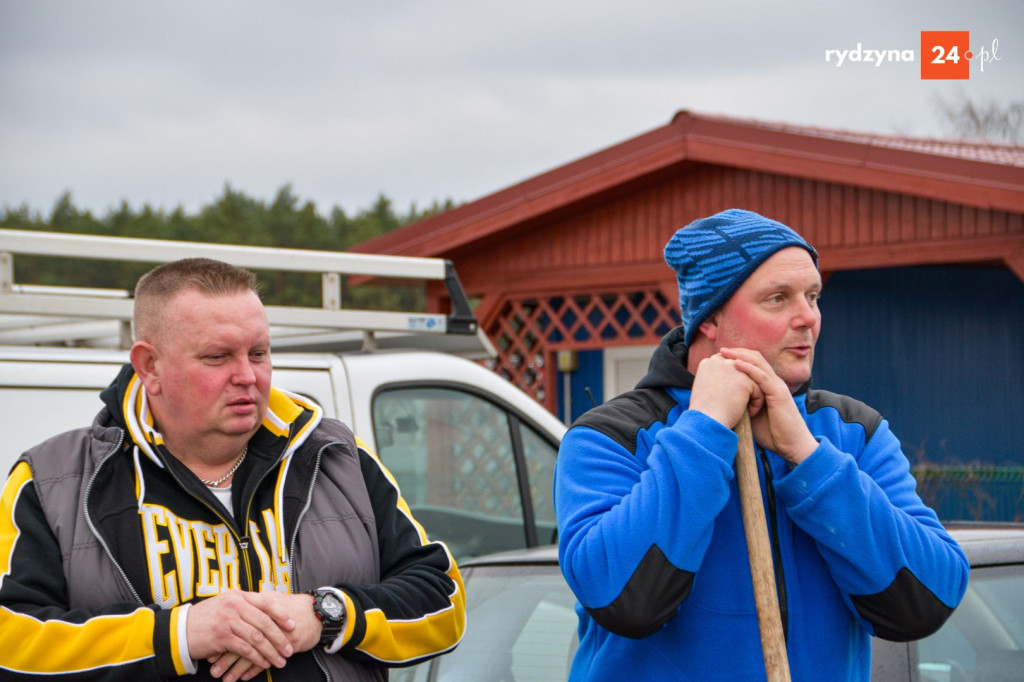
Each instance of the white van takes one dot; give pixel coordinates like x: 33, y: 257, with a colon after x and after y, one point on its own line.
x: 473, y: 454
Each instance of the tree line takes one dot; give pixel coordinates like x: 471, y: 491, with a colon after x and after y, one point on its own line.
x: 232, y: 218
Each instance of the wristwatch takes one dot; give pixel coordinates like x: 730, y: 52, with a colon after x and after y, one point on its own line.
x: 330, y: 609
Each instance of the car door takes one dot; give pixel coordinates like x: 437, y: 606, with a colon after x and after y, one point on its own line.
x: 473, y: 469
x: 982, y: 640
x: 474, y: 456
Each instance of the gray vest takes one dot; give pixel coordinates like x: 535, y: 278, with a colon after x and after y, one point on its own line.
x: 61, y: 469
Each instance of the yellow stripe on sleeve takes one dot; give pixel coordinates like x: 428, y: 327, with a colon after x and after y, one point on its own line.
x: 9, y: 531
x: 403, y: 641
x: 51, y: 646
x: 179, y: 665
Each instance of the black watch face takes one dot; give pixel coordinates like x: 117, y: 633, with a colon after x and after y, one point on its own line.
x: 332, y: 606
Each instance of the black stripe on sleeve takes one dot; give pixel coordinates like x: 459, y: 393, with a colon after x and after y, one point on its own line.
x: 649, y: 600
x: 850, y: 410
x: 904, y: 611
x: 624, y: 416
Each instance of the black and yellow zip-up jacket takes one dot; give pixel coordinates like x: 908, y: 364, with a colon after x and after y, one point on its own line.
x: 104, y: 535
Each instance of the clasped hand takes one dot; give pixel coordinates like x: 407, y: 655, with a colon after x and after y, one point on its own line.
x: 738, y: 379
x: 243, y: 633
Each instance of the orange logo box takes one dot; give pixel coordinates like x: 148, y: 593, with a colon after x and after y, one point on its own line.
x: 945, y: 55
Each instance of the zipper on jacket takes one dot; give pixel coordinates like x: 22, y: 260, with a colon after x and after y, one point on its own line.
x: 773, y: 526
x: 242, y: 541
x: 320, y: 664
x: 294, y: 540
x: 228, y: 523
x: 245, y: 542
x: 302, y: 514
x: 95, y: 531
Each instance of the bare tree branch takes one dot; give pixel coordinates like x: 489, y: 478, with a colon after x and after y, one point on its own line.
x: 991, y: 120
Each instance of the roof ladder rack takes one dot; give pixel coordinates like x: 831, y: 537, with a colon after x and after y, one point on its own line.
x: 82, y: 316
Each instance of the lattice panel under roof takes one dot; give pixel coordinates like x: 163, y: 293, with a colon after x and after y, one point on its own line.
x: 528, y: 330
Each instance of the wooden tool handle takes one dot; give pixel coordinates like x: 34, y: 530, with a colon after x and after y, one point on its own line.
x: 762, y: 571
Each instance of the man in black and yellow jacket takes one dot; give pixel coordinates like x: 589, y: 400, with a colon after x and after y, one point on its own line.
x: 209, y: 524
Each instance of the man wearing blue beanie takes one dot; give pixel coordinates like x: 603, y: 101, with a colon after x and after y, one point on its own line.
x: 651, y: 533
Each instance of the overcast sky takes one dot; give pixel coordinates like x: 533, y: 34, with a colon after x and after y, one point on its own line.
x: 165, y: 102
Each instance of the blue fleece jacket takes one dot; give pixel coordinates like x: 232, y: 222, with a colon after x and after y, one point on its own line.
x: 652, y: 542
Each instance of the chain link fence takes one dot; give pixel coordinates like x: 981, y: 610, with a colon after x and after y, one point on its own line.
x: 974, y: 493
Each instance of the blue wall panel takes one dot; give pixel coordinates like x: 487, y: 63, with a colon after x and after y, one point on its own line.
x: 590, y: 374
x: 939, y: 351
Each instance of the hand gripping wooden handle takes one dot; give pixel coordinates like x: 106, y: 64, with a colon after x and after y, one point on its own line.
x: 762, y: 572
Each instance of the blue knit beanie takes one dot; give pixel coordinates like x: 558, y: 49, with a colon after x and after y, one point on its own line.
x: 713, y: 256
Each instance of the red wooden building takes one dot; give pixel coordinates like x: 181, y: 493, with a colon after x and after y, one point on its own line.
x: 571, y: 258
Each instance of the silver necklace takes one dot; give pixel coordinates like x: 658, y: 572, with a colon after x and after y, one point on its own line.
x: 214, y: 484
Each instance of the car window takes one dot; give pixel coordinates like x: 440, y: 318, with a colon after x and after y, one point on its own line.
x: 540, y: 457
x: 984, y: 638
x: 522, y: 626
x: 452, y: 454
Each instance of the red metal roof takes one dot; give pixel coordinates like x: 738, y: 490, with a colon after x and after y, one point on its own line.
x: 973, y: 150
x: 974, y: 174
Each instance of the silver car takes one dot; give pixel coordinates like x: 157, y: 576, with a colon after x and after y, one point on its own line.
x: 522, y: 623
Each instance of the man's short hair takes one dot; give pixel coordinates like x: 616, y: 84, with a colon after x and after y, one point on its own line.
x: 205, y: 275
